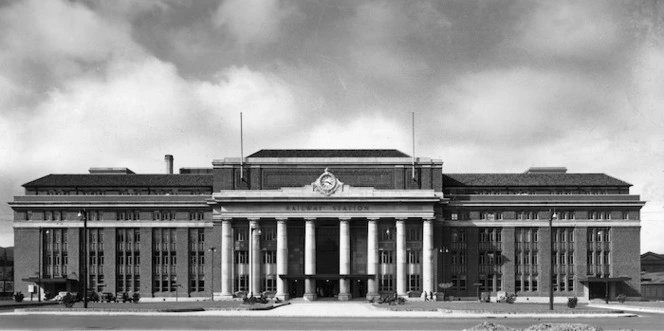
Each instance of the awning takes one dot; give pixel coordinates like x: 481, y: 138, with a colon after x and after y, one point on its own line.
x: 47, y: 280
x: 328, y: 276
x: 604, y: 279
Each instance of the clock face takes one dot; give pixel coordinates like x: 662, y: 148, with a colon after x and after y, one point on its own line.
x: 327, y: 182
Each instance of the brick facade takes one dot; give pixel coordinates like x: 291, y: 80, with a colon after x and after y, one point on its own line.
x: 470, y: 202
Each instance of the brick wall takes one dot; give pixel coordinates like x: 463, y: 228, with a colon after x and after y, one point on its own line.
x: 509, y: 264
x: 25, y: 264
x: 625, y: 261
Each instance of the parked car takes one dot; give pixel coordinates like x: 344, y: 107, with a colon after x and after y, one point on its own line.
x: 59, y: 296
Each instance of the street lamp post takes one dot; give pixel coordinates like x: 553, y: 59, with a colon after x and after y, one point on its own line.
x: 83, y: 215
x: 552, y: 215
x: 212, y: 250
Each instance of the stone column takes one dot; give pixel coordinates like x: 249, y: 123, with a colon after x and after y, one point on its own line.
x: 372, y: 258
x: 282, y: 258
x: 344, y: 259
x: 428, y: 282
x: 310, y: 259
x: 255, y: 262
x: 226, y: 260
x: 401, y: 257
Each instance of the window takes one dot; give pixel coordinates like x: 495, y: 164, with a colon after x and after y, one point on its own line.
x: 269, y: 257
x: 242, y: 283
x: 459, y: 235
x: 386, y: 257
x: 269, y: 234
x: 241, y: 234
x: 414, y: 234
x: 269, y: 283
x: 454, y: 216
x: 386, y: 283
x: 196, y: 215
x: 414, y: 257
x: 386, y: 234
x: 414, y: 282
x: 241, y: 257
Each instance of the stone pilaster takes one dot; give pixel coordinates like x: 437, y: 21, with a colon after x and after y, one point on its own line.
x: 427, y: 256
x: 310, y: 259
x: 344, y: 259
x: 255, y: 257
x: 282, y: 259
x: 372, y: 258
x: 401, y: 257
x: 226, y: 259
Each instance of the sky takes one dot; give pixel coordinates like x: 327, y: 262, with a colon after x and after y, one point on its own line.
x: 496, y: 86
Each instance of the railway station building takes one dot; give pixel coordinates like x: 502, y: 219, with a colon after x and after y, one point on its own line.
x: 338, y: 224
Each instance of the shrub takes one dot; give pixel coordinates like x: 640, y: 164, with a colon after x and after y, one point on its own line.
x: 571, y: 302
x: 136, y: 296
x: 18, y: 296
x: 621, y: 298
x: 69, y: 300
x: 93, y: 297
x: 510, y: 298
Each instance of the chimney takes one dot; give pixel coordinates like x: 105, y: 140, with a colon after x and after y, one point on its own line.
x: 169, y: 164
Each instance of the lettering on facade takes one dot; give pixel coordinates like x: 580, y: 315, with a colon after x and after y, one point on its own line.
x: 327, y: 208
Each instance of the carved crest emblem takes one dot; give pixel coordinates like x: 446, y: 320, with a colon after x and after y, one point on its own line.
x: 327, y: 183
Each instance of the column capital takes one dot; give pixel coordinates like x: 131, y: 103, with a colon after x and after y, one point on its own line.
x: 401, y: 219
x: 346, y: 219
x: 226, y: 219
x: 310, y: 219
x: 254, y: 219
x: 281, y: 219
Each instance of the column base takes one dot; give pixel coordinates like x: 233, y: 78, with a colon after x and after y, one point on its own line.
x: 282, y: 296
x: 344, y: 296
x: 310, y: 296
x: 223, y: 296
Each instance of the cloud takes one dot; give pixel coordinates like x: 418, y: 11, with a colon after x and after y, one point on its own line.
x: 521, y: 106
x: 253, y: 22
x: 42, y: 44
x: 571, y: 29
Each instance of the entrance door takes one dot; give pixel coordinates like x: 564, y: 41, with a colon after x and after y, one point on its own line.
x: 358, y: 288
x: 597, y: 290
x: 327, y: 288
x: 296, y: 288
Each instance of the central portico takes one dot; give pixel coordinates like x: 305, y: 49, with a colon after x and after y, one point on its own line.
x: 326, y: 239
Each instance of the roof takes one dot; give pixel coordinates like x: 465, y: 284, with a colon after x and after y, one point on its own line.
x: 93, y: 180
x: 309, y: 153
x: 530, y: 179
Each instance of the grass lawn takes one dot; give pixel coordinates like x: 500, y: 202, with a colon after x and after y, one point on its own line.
x: 162, y: 306
x: 487, y: 307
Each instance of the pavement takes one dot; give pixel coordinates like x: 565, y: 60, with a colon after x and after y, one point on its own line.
x: 359, y: 309
x: 617, y: 306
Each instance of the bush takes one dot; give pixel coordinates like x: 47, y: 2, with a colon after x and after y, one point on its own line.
x: 18, y: 296
x: 571, y: 302
x: 93, y: 297
x: 136, y: 296
x: 510, y: 298
x: 69, y: 300
x: 621, y: 298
